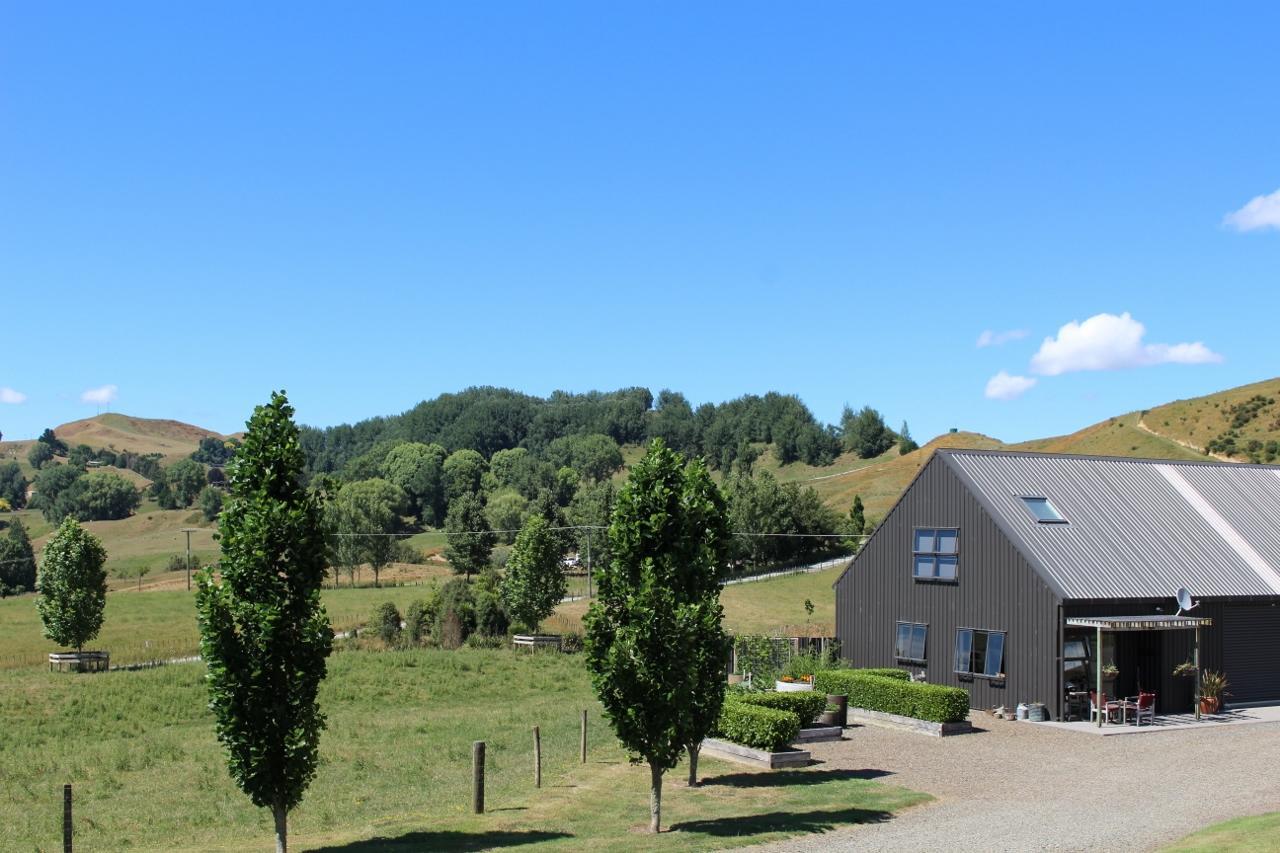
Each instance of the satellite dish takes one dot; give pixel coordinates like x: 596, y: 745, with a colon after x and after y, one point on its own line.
x: 1184, y: 600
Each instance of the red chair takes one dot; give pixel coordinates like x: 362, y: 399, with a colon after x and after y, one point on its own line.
x: 1141, y: 708
x: 1112, y: 709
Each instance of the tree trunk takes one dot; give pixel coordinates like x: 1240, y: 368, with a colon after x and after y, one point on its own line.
x: 694, y: 748
x: 375, y: 578
x: 655, y: 797
x: 282, y: 828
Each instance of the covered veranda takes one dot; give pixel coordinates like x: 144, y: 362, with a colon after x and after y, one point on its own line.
x: 1113, y: 624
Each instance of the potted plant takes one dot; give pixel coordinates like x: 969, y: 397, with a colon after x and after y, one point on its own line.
x: 830, y: 715
x: 793, y: 683
x: 1109, y: 674
x: 1213, y: 686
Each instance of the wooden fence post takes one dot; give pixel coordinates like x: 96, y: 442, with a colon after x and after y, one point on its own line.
x: 537, y: 758
x: 583, y: 737
x: 66, y: 819
x: 477, y: 777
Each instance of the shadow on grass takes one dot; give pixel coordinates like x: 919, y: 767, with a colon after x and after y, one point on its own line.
x: 798, y: 823
x: 782, y: 778
x: 445, y: 840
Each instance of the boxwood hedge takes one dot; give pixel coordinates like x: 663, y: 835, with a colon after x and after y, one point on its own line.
x: 757, y: 726
x: 805, y: 704
x: 894, y: 695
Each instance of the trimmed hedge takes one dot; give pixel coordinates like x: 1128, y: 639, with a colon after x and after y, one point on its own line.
x: 933, y: 702
x: 757, y: 726
x: 805, y: 704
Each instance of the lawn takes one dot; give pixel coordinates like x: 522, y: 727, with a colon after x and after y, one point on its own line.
x: 773, y: 606
x: 395, y: 766
x: 1242, y: 835
x: 162, y: 623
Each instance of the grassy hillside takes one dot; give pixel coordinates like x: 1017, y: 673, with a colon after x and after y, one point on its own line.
x: 172, y: 439
x: 1251, y: 412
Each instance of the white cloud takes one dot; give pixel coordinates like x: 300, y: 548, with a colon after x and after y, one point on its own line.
x: 1108, y: 342
x: 101, y: 396
x: 1262, y: 211
x: 8, y: 395
x: 1002, y: 386
x: 989, y: 338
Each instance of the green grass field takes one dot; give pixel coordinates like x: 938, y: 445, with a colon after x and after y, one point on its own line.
x: 395, y: 772
x: 162, y: 624
x: 1256, y: 834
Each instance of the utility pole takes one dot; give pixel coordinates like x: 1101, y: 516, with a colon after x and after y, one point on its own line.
x: 588, y: 564
x: 189, y: 531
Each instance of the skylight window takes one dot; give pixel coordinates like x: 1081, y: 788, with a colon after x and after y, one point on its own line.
x: 1043, y: 511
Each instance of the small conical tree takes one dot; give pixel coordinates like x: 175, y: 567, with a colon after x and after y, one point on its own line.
x: 264, y: 633
x: 73, y: 586
x: 471, y: 539
x: 656, y: 624
x: 534, y: 582
x: 906, y: 444
x: 857, y: 520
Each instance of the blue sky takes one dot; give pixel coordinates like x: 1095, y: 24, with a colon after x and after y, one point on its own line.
x: 371, y: 204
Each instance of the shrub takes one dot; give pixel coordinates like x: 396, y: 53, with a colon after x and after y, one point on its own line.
x: 481, y: 641
x: 177, y: 563
x: 896, y: 695
x: 491, y: 616
x: 386, y: 621
x: 756, y: 726
x: 571, y: 643
x: 456, y: 598
x: 804, y: 704
x: 451, y: 635
x: 418, y: 617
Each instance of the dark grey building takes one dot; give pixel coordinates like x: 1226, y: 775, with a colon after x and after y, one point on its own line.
x: 973, y: 574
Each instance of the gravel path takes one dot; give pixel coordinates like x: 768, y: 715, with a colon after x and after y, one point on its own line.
x: 1024, y: 787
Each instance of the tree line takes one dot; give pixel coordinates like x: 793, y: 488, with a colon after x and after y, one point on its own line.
x: 488, y: 420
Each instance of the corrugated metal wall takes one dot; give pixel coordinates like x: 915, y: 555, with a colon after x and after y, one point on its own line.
x: 996, y: 590
x: 1251, y: 654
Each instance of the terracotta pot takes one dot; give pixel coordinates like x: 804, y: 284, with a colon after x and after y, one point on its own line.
x: 1210, y: 704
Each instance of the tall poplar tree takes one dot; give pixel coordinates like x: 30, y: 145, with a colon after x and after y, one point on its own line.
x: 264, y: 633
x: 73, y: 586
x: 657, y: 621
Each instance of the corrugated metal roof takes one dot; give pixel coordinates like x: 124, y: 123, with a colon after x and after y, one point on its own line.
x: 1130, y: 532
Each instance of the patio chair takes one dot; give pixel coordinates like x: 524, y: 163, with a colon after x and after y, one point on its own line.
x: 1143, y: 707
x: 1112, y: 709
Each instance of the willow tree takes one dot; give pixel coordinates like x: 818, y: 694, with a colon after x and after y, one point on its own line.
x: 264, y: 633
x: 656, y: 626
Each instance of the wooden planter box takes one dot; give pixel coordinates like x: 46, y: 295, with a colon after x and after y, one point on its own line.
x: 819, y: 734
x: 79, y: 661
x: 536, y: 641
x: 911, y: 724
x: 755, y: 757
x: 792, y: 686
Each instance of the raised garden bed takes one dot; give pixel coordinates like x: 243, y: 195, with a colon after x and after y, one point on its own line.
x: 755, y: 757
x: 819, y: 734
x: 79, y: 661
x: 896, y: 721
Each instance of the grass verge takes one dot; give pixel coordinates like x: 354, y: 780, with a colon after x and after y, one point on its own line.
x: 1242, y: 835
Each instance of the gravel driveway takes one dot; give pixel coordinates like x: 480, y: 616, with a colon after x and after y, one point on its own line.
x: 1018, y: 786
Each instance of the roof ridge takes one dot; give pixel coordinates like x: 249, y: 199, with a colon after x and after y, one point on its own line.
x: 1098, y: 457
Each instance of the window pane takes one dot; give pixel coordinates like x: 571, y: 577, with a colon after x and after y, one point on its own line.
x: 1075, y: 649
x: 1042, y: 509
x: 948, y: 541
x: 964, y: 639
x: 917, y: 641
x: 977, y: 660
x: 924, y: 541
x: 903, y: 644
x: 947, y: 568
x: 925, y: 567
x: 995, y: 654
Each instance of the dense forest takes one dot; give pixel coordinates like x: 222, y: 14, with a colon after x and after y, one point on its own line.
x: 488, y: 420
